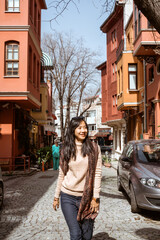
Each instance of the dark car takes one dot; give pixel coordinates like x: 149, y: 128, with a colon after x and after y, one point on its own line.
x: 1, y: 189
x: 106, y: 148
x: 138, y: 173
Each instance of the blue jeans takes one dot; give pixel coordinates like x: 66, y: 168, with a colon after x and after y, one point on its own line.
x: 78, y: 231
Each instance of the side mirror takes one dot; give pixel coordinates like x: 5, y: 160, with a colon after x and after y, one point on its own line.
x: 126, y: 159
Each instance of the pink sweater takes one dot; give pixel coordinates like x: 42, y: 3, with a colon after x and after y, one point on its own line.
x: 74, y: 181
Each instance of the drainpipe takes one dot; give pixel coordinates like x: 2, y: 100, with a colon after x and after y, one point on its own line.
x: 145, y: 97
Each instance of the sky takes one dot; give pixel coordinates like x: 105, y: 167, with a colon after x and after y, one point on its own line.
x: 82, y: 23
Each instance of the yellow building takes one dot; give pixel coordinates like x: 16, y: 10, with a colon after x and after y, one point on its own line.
x: 130, y: 86
x: 44, y: 134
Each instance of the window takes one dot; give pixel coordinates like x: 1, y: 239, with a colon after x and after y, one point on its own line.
x: 113, y: 101
x: 39, y: 24
x: 129, y: 152
x: 115, y: 139
x: 12, y: 59
x: 30, y: 63
x: 151, y: 74
x: 31, y: 8
x: 137, y: 21
x: 38, y: 73
x: 114, y: 39
x: 158, y: 66
x: 132, y: 73
x: 120, y: 140
x: 91, y: 113
x: 12, y: 5
x: 35, y: 14
x: 114, y: 71
x: 119, y: 81
x: 150, y: 25
x: 91, y: 127
x: 34, y: 72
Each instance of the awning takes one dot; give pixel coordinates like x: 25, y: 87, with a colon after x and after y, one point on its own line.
x: 102, y: 134
x: 49, y: 133
x: 54, y: 117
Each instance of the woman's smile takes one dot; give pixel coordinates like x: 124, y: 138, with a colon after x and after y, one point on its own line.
x: 81, y: 131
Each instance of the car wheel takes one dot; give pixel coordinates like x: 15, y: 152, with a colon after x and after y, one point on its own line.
x: 1, y: 195
x: 134, y: 206
x: 119, y: 186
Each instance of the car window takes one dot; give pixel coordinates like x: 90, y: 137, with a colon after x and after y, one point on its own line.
x: 129, y: 152
x: 149, y: 153
x: 125, y: 149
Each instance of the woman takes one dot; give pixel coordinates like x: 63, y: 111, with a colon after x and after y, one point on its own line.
x: 79, y: 180
x: 55, y: 154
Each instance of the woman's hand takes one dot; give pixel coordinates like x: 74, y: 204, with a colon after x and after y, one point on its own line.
x: 56, y: 204
x: 94, y: 205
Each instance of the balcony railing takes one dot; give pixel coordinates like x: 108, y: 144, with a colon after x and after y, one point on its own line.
x: 20, y: 163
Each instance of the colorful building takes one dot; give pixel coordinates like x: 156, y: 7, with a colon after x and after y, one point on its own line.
x: 133, y: 64
x: 20, y: 34
x: 130, y: 88
x: 113, y: 27
x: 44, y: 133
x: 147, y: 50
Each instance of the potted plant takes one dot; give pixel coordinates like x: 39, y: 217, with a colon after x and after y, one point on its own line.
x: 106, y: 160
x: 44, y: 156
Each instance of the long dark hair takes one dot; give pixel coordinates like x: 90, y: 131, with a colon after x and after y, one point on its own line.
x: 69, y: 146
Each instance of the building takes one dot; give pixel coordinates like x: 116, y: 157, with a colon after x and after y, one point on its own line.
x: 130, y: 87
x: 44, y: 133
x: 20, y: 34
x: 73, y: 113
x: 93, y: 117
x: 113, y: 27
x: 147, y: 50
x: 133, y: 62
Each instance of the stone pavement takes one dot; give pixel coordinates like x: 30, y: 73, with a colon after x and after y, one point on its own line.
x: 28, y: 215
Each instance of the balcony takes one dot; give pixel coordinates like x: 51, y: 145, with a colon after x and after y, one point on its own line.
x: 125, y: 45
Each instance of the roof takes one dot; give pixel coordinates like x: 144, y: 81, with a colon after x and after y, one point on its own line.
x: 43, y: 4
x: 113, y: 17
x: 101, y: 66
x: 46, y: 61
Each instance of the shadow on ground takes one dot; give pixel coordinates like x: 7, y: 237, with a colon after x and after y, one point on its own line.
x: 148, y: 233
x: 102, y: 236
x: 21, y: 194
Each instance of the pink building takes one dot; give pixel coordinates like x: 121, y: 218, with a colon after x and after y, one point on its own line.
x: 113, y: 28
x: 20, y: 33
x: 147, y: 49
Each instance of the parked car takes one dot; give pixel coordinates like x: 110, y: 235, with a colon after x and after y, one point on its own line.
x: 1, y: 189
x: 106, y: 148
x: 138, y: 173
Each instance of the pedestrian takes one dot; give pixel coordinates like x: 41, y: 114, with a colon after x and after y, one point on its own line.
x: 55, y: 154
x: 79, y: 180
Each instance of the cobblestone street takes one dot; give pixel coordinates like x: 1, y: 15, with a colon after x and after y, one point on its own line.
x: 28, y: 215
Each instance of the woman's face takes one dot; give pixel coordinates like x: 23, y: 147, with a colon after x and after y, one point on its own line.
x: 81, y: 131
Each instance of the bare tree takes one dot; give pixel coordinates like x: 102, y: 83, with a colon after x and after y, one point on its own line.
x: 150, y: 8
x: 74, y: 71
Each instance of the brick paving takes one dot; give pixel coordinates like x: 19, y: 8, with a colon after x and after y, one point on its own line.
x: 28, y: 215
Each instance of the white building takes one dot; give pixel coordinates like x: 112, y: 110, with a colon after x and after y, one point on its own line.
x: 93, y: 118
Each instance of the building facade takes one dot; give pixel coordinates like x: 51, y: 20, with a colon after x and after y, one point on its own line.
x: 20, y: 34
x: 134, y: 66
x: 113, y: 27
